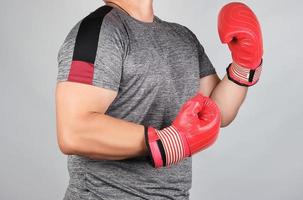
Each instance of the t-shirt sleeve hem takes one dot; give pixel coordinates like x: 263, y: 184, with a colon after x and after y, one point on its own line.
x: 100, y: 84
x: 106, y: 85
x: 207, y: 72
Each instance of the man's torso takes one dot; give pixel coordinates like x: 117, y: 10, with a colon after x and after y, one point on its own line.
x: 160, y: 71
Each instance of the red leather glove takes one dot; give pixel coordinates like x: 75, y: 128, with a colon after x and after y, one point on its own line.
x: 195, y: 128
x: 239, y: 28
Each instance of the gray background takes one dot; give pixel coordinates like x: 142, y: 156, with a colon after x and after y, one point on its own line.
x: 259, y: 156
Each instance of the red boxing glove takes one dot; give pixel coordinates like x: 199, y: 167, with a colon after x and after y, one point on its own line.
x: 195, y: 128
x: 239, y: 28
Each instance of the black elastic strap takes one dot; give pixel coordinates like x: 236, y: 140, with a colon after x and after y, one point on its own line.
x: 251, y: 75
x: 149, y: 154
x: 161, y: 148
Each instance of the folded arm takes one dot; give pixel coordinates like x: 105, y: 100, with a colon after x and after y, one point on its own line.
x: 83, y: 128
x: 227, y: 95
x: 239, y: 28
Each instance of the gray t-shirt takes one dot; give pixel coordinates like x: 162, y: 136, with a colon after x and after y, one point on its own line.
x: 155, y: 67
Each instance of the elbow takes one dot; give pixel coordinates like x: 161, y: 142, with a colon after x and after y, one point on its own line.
x: 226, y: 120
x: 66, y: 142
x: 225, y: 123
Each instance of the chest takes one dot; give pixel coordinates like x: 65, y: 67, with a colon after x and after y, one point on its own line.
x: 161, y: 55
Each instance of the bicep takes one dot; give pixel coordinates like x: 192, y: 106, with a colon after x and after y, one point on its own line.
x: 208, y: 83
x: 76, y: 98
x: 75, y: 102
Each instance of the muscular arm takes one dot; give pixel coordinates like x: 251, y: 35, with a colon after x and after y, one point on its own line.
x: 83, y: 128
x: 228, y: 96
x: 242, y: 33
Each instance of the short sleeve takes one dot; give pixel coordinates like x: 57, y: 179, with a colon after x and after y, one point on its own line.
x: 93, y: 52
x: 205, y: 66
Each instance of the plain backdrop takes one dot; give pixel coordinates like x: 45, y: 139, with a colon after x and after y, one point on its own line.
x: 259, y: 156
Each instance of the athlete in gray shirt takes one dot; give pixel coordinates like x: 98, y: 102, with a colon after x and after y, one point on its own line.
x: 121, y: 69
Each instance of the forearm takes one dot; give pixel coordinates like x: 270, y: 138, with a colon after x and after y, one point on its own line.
x: 229, y: 97
x: 100, y: 136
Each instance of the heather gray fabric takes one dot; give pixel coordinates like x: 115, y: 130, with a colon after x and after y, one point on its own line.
x: 155, y: 67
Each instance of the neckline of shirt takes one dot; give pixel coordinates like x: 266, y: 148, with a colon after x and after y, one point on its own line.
x: 154, y: 23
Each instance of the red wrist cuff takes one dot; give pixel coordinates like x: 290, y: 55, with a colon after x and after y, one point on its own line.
x: 243, y: 76
x: 165, y: 146
x: 155, y: 148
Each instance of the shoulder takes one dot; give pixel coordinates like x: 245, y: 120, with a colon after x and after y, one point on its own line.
x: 101, y: 26
x: 181, y: 29
x: 103, y: 20
x: 174, y: 25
